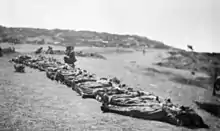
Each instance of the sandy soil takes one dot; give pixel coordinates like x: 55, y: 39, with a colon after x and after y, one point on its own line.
x: 30, y: 100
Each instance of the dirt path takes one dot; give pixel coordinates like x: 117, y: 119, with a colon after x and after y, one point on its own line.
x: 35, y: 101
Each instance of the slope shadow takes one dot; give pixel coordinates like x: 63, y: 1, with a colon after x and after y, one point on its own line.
x: 201, y: 82
x: 212, y: 108
x: 152, y: 71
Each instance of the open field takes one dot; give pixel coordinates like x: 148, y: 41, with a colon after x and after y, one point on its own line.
x: 30, y: 101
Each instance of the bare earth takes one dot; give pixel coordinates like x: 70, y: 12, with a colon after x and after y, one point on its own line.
x: 30, y: 101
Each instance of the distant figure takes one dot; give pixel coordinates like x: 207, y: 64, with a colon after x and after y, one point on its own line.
x: 1, y: 54
x: 216, y: 83
x: 144, y: 51
x: 49, y: 50
x: 13, y: 49
x: 39, y: 50
x: 193, y: 73
x: 190, y: 47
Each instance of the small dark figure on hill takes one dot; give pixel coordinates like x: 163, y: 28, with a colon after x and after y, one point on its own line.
x: 216, y: 83
x: 1, y: 54
x: 190, y: 47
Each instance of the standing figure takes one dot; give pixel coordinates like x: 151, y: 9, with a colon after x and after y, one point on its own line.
x: 216, y: 83
x: 70, y: 57
x: 216, y: 86
x: 144, y: 51
x: 1, y: 54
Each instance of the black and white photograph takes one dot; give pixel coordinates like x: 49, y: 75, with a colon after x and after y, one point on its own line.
x: 109, y: 65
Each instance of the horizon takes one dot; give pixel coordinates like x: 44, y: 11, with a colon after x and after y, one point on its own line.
x: 176, y: 23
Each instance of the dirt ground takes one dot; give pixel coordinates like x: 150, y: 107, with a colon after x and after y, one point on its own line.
x: 30, y: 101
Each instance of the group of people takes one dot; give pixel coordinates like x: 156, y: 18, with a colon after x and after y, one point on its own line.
x: 40, y: 50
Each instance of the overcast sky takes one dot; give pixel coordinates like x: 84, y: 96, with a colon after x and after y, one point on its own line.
x: 174, y: 22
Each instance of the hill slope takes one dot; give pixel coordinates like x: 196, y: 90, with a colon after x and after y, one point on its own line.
x: 178, y: 59
x: 194, y: 61
x: 58, y: 36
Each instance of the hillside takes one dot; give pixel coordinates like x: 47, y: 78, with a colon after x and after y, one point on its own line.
x: 64, y: 37
x: 33, y: 102
x: 194, y: 61
x: 202, y: 62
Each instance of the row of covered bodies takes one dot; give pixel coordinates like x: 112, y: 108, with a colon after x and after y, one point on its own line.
x: 115, y: 96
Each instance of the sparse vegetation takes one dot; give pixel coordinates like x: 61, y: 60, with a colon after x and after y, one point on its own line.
x: 26, y: 107
x: 201, y: 62
x: 66, y: 37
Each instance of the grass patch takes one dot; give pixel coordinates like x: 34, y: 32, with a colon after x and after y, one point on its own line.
x: 26, y: 109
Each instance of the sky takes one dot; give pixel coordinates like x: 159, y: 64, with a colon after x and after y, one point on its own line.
x: 175, y: 22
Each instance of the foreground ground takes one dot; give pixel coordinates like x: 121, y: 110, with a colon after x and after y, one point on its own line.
x: 30, y: 101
